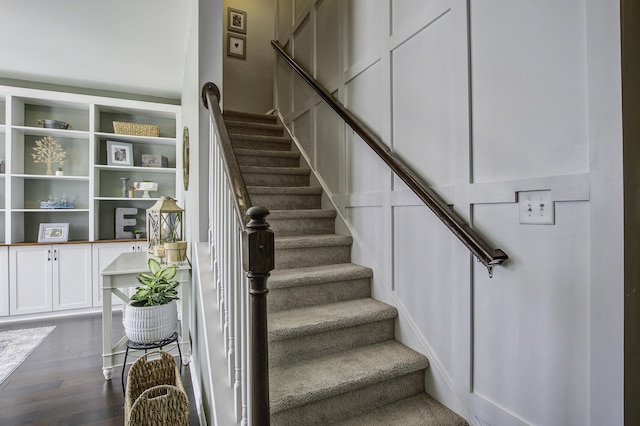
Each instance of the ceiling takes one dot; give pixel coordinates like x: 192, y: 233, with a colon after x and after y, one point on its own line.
x: 132, y: 46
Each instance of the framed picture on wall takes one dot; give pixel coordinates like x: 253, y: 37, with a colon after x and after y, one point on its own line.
x: 236, y: 46
x: 237, y: 20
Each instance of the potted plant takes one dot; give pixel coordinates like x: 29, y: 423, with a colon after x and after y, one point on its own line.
x: 138, y: 234
x: 176, y: 251
x: 152, y: 314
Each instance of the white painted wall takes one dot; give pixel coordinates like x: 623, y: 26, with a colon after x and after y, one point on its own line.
x: 484, y: 99
x: 248, y: 83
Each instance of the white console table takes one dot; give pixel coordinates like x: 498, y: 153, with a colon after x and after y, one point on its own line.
x: 120, y: 274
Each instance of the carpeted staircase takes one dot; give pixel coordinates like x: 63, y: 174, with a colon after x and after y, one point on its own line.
x: 332, y: 353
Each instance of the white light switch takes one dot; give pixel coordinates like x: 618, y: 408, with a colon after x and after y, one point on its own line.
x: 536, y: 207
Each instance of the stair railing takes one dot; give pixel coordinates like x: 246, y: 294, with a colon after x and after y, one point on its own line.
x: 239, y: 237
x: 480, y: 248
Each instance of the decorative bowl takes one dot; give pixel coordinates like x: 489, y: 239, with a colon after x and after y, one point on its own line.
x: 54, y: 124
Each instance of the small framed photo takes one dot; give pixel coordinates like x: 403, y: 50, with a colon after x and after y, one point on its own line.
x: 236, y: 46
x: 119, y: 153
x: 53, y: 232
x: 237, y: 20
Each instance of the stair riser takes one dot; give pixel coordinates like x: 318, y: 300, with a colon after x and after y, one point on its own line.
x: 300, y: 257
x: 260, y: 145
x: 320, y: 344
x: 292, y: 227
x: 267, y: 179
x: 285, y: 202
x: 250, y: 118
x: 332, y: 409
x: 317, y: 294
x: 256, y: 160
x: 248, y: 130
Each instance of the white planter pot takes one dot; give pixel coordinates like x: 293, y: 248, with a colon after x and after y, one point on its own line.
x: 149, y: 324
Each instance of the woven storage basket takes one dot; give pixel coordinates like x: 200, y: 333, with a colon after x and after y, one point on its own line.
x: 155, y: 394
x: 124, y: 128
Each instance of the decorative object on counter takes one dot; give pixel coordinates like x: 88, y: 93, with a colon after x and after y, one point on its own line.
x: 135, y: 129
x: 60, y: 172
x: 164, y: 224
x: 48, y: 151
x: 54, y: 124
x: 119, y: 153
x: 176, y: 252
x: 125, y: 186
x: 138, y: 234
x: 53, y: 232
x: 54, y: 203
x: 152, y: 314
x: 154, y: 160
x: 185, y: 158
x: 146, y: 187
x: 121, y: 222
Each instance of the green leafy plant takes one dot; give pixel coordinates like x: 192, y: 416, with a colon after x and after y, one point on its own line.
x: 156, y: 286
x: 137, y: 231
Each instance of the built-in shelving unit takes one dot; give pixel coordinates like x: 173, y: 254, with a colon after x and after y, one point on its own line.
x: 94, y: 186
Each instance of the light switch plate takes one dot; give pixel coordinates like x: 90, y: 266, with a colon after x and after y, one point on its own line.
x: 536, y: 207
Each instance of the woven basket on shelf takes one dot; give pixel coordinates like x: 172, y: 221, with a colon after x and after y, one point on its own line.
x: 136, y: 129
x: 155, y: 394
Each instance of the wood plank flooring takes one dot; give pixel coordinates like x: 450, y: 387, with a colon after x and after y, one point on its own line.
x: 61, y: 382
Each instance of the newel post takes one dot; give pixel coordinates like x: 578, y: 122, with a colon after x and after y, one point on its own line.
x: 258, y: 261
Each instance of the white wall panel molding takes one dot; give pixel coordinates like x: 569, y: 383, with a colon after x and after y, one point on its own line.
x: 420, y: 18
x: 368, y: 61
x: 563, y: 188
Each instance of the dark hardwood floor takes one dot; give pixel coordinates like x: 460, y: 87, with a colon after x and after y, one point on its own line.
x: 61, y: 382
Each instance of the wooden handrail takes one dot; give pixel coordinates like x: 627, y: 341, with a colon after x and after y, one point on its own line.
x: 211, y: 92
x: 474, y: 242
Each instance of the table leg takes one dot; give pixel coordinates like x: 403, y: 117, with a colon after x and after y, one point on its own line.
x: 107, y: 338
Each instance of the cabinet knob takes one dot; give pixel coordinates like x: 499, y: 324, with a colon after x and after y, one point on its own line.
x: 49, y: 255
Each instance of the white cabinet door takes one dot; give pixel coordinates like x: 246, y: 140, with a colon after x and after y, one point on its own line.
x: 30, y: 272
x: 4, y: 281
x: 72, y: 287
x: 103, y: 254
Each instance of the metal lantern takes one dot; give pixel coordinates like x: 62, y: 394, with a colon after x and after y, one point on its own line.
x: 164, y: 224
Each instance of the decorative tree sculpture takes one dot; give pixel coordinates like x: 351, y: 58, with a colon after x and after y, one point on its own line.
x: 48, y: 151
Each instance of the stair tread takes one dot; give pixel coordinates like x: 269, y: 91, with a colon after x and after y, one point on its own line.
x: 302, y: 214
x: 266, y: 153
x: 317, y: 275
x: 276, y: 170
x: 318, y: 378
x: 292, y: 190
x: 321, y: 318
x: 230, y: 122
x: 417, y: 410
x: 259, y: 138
x: 304, y: 241
x: 249, y: 115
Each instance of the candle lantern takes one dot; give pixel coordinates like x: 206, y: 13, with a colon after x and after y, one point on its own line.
x: 164, y: 224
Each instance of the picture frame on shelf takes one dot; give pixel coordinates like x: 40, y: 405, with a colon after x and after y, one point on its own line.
x: 236, y: 20
x: 236, y: 46
x: 53, y: 232
x: 119, y: 153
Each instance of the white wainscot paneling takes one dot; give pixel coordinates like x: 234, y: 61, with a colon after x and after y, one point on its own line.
x: 366, y: 172
x: 301, y: 8
x: 422, y: 252
x: 330, y: 147
x: 303, y: 54
x: 404, y: 12
x: 284, y: 76
x: 531, y: 320
x: 529, y: 84
x: 285, y: 18
x: 327, y: 42
x: 370, y: 228
x: 302, y: 132
x: 422, y: 107
x: 362, y: 26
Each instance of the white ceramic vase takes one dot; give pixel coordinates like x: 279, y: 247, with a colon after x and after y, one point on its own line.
x: 150, y: 324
